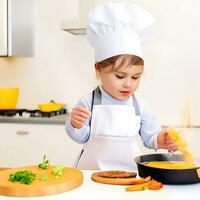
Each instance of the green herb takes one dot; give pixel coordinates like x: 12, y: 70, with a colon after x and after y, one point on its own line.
x: 43, y: 177
x: 57, y: 171
x: 25, y: 177
x: 44, y: 164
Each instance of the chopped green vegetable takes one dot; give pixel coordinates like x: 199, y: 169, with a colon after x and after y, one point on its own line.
x: 25, y: 177
x: 43, y: 177
x: 44, y: 164
x: 57, y: 171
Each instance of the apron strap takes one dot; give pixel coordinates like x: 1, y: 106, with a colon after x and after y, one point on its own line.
x: 97, y: 96
x: 96, y: 100
x: 135, y: 104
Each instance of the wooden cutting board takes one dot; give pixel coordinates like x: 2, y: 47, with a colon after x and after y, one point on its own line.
x: 70, y: 179
x: 3, y: 168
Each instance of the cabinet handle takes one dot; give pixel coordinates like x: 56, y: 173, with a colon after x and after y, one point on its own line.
x: 22, y: 132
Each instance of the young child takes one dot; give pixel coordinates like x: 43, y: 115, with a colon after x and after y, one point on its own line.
x: 108, y: 120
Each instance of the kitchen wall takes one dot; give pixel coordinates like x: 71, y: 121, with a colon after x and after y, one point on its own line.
x: 62, y: 66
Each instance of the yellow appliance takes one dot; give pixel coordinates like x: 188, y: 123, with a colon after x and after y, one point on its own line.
x: 8, y: 98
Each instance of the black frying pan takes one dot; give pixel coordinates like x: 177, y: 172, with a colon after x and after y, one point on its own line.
x: 167, y: 176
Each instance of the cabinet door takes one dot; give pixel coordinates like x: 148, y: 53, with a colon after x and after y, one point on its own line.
x: 26, y: 144
x: 3, y: 30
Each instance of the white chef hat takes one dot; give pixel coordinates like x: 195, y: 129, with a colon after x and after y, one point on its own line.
x: 118, y: 28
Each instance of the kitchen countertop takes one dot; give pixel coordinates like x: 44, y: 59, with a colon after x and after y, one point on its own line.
x: 91, y: 190
x: 59, y: 119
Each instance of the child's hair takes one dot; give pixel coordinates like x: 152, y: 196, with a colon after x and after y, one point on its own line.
x: 121, y: 61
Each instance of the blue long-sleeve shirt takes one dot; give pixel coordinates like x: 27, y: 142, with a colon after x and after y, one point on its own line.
x: 149, y: 124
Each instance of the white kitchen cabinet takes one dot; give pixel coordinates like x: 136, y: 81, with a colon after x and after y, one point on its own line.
x: 17, y: 27
x: 26, y: 144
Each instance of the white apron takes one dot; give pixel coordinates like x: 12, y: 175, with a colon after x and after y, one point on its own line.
x: 112, y: 143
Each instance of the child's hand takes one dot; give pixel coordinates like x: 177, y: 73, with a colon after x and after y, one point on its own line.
x: 165, y: 142
x: 78, y: 116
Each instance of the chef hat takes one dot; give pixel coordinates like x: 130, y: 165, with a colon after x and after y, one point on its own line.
x: 118, y: 28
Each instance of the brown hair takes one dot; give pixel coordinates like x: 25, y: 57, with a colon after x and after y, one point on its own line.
x: 120, y: 61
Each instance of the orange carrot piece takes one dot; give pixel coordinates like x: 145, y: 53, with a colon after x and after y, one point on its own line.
x: 140, y: 180
x: 155, y: 185
x: 139, y: 187
x: 147, y: 179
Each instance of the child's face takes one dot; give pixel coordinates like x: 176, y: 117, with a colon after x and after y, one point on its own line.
x: 121, y: 83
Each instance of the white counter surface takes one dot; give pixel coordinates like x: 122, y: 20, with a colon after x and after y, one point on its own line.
x: 90, y: 190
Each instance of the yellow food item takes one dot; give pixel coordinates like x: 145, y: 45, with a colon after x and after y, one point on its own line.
x: 182, y: 147
x: 169, y: 165
x: 139, y: 187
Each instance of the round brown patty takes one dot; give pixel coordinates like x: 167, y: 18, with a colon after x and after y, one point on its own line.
x: 117, y: 174
x: 114, y: 177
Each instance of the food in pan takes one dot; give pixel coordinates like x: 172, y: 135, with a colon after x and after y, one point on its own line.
x: 187, y: 163
x: 169, y: 165
x: 167, y: 175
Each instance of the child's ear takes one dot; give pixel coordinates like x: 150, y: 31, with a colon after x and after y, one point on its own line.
x: 97, y: 70
x: 97, y: 67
